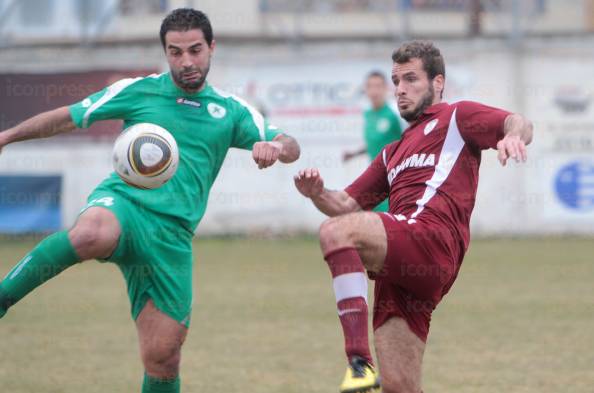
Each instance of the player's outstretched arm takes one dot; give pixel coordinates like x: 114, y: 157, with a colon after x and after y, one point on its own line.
x: 282, y: 148
x: 44, y: 125
x: 332, y: 203
x: 518, y: 134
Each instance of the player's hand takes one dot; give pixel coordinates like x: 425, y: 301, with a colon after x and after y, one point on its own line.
x: 2, y: 142
x: 266, y: 154
x: 511, y: 146
x: 309, y: 182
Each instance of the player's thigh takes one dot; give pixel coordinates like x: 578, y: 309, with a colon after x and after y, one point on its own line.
x: 95, y: 233
x: 420, y: 258
x: 372, y: 243
x: 362, y: 230
x: 400, y: 355
x: 158, y: 265
x: 160, y: 336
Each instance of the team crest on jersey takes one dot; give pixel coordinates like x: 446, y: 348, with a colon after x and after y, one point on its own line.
x: 430, y: 126
x: 216, y: 111
x: 185, y: 101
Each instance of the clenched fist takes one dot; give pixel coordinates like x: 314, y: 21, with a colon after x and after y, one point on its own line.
x: 266, y: 154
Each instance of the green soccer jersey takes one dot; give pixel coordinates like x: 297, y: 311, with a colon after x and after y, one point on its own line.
x: 382, y: 126
x: 205, y: 125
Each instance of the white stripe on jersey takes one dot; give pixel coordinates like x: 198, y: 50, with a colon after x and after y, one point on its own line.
x: 112, y: 91
x: 256, y: 115
x: 450, y: 151
x: 384, y: 157
x: 19, y: 267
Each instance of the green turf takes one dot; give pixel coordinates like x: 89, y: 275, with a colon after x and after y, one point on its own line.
x: 520, y: 318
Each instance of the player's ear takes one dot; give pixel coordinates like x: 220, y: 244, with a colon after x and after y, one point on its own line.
x: 438, y: 84
x: 213, y: 44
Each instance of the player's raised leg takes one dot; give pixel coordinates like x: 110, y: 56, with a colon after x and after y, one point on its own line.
x: 400, y: 355
x: 161, y: 339
x: 95, y: 235
x: 351, y: 243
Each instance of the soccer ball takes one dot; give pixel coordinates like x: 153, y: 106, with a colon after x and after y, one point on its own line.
x: 145, y: 156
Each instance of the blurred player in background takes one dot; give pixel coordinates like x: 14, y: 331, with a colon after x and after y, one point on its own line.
x: 415, y: 250
x: 148, y: 233
x: 382, y: 124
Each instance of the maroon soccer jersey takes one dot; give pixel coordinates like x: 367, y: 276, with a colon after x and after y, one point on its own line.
x: 431, y: 174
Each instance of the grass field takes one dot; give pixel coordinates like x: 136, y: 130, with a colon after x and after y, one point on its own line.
x: 519, y: 319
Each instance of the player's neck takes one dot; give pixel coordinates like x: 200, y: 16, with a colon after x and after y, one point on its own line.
x: 186, y: 90
x: 192, y: 91
x: 377, y: 107
x: 437, y: 101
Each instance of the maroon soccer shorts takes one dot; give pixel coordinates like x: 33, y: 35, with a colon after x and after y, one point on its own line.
x: 422, y: 262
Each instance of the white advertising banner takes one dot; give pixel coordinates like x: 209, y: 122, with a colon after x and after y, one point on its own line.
x: 560, y: 104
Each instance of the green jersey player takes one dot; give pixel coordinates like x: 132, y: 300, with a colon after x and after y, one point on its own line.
x: 382, y: 125
x: 148, y: 233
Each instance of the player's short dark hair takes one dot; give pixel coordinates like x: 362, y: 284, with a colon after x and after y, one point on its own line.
x: 433, y: 62
x: 184, y: 19
x: 377, y: 74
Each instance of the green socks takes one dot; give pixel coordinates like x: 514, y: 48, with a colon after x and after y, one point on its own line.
x: 158, y: 385
x: 50, y: 257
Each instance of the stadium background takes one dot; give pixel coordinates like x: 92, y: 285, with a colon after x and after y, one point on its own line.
x: 304, y: 62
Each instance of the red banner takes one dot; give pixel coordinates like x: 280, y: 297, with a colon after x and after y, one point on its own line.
x: 25, y: 95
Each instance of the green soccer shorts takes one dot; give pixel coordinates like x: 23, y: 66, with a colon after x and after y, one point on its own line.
x: 154, y: 253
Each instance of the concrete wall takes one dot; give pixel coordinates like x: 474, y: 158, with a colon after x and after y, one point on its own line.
x: 550, y: 82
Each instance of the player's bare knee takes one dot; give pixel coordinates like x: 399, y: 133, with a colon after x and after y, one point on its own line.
x: 334, y: 233
x: 91, y: 237
x: 162, y: 361
x: 83, y: 240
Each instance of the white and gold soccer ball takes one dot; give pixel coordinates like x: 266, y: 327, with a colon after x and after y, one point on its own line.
x: 145, y: 155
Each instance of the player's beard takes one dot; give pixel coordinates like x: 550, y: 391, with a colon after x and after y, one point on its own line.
x: 190, y: 86
x: 425, y: 102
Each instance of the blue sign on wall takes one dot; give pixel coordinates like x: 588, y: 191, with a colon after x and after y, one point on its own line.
x: 30, y: 203
x: 574, y: 185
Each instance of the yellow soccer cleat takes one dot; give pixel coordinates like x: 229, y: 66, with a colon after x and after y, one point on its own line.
x: 360, y: 377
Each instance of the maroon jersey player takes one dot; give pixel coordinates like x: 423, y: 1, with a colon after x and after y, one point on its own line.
x: 414, y: 251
